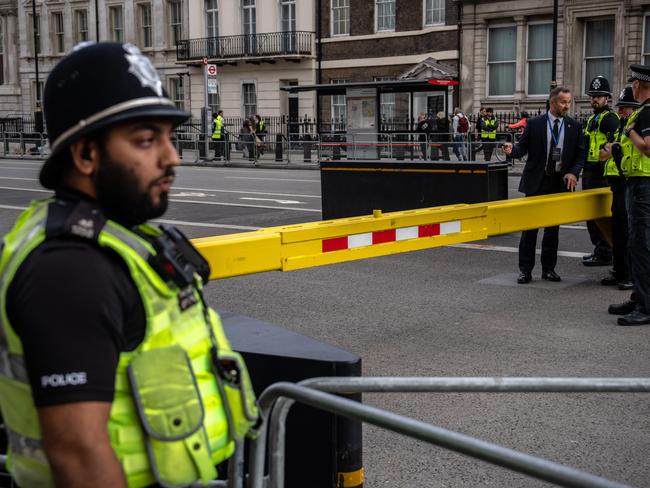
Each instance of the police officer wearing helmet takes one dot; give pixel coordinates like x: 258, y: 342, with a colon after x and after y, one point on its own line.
x: 620, y: 274
x: 634, y: 153
x: 599, y: 129
x: 114, y: 372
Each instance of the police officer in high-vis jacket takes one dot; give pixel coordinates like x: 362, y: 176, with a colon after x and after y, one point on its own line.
x: 218, y: 136
x: 599, y: 130
x: 634, y: 153
x: 620, y: 274
x: 113, y: 372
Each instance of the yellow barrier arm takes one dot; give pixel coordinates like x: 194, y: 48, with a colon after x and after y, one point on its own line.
x: 300, y: 246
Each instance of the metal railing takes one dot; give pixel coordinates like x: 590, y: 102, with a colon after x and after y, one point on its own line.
x: 276, y: 401
x: 291, y: 43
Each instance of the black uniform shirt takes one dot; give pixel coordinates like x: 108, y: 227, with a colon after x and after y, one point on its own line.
x: 608, y: 125
x: 642, y: 122
x: 75, y: 308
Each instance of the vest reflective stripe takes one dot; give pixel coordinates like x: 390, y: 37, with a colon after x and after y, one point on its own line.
x: 218, y: 125
x: 596, y: 137
x: 489, y: 129
x: 166, y: 324
x: 634, y: 162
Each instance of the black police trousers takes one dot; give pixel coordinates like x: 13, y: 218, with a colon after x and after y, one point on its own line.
x: 638, y: 209
x: 620, y: 261
x: 592, y: 177
x: 550, y: 184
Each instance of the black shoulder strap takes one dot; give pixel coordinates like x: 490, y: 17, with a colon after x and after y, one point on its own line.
x: 82, y: 219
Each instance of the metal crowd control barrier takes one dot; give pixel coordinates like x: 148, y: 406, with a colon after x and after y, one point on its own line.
x: 276, y: 401
x: 299, y: 246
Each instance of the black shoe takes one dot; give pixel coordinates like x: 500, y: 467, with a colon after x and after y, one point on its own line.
x: 551, y: 276
x: 610, y: 280
x: 587, y: 256
x: 622, y: 308
x: 637, y: 317
x: 596, y: 261
x: 625, y: 285
x: 524, y: 278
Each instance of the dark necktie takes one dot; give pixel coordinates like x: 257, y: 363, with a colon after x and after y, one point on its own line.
x: 550, y: 164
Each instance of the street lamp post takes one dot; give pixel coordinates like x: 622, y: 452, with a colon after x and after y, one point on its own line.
x: 38, y: 114
x: 554, y: 58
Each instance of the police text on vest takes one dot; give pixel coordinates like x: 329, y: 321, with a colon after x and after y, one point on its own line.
x: 66, y: 379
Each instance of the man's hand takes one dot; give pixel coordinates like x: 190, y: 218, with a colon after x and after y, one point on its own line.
x: 507, y: 148
x: 605, y: 152
x: 76, y: 443
x: 571, y: 181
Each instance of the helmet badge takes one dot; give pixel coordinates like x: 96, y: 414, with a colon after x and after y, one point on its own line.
x: 596, y: 84
x: 140, y: 66
x: 622, y: 95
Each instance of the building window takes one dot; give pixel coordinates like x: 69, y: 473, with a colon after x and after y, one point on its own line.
x: 339, y: 105
x: 58, y: 34
x: 645, y: 55
x: 2, y: 52
x: 386, y: 102
x: 36, y: 34
x: 385, y: 15
x: 340, y: 17
x: 175, y: 21
x: 116, y: 23
x: 249, y: 99
x: 211, y: 18
x: 81, y: 25
x: 214, y: 102
x: 144, y: 21
x: 502, y: 59
x: 434, y: 12
x: 176, y: 93
x: 599, y: 50
x: 539, y: 56
x: 248, y: 17
x: 288, y: 15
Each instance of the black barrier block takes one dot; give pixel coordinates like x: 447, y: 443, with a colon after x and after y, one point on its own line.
x: 319, y: 445
x: 278, y: 148
x: 404, y: 185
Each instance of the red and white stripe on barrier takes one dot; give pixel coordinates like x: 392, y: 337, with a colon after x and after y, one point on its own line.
x: 390, y: 235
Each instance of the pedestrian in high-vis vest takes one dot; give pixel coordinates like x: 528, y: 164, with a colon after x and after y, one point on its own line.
x: 633, y: 151
x: 489, y: 125
x: 115, y: 372
x: 218, y: 136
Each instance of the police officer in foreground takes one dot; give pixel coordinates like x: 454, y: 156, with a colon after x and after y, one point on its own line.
x: 620, y: 274
x: 114, y: 371
x: 599, y: 130
x: 634, y: 153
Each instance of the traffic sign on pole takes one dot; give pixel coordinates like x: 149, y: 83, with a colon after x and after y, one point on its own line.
x: 212, y: 69
x: 205, y: 60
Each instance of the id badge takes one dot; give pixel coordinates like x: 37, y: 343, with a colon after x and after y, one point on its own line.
x: 556, y: 153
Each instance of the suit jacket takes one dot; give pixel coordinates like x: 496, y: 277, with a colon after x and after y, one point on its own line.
x: 533, y: 142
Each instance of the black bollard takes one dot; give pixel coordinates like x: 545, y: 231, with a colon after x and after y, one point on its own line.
x: 306, y: 149
x: 278, y: 148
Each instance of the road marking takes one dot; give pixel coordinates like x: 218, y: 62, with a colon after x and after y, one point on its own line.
x: 25, y: 189
x: 490, y: 247
x: 17, y: 178
x: 15, y: 167
x: 13, y: 207
x: 282, y: 202
x: 318, y: 210
x: 575, y: 227
x: 203, y: 224
x: 189, y: 194
x: 298, y: 195
x: 267, y: 179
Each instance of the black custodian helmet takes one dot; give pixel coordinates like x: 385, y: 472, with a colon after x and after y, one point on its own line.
x: 599, y: 87
x: 626, y: 98
x: 96, y: 85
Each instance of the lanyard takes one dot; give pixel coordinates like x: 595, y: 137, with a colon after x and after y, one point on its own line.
x: 559, y: 131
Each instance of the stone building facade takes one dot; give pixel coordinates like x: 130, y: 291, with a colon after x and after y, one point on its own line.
x: 9, y: 76
x: 506, y: 49
x: 374, y: 40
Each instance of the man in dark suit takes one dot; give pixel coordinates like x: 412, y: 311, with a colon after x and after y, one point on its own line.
x: 555, y: 147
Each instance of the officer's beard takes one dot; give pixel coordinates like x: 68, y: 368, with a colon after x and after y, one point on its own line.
x: 119, y: 196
